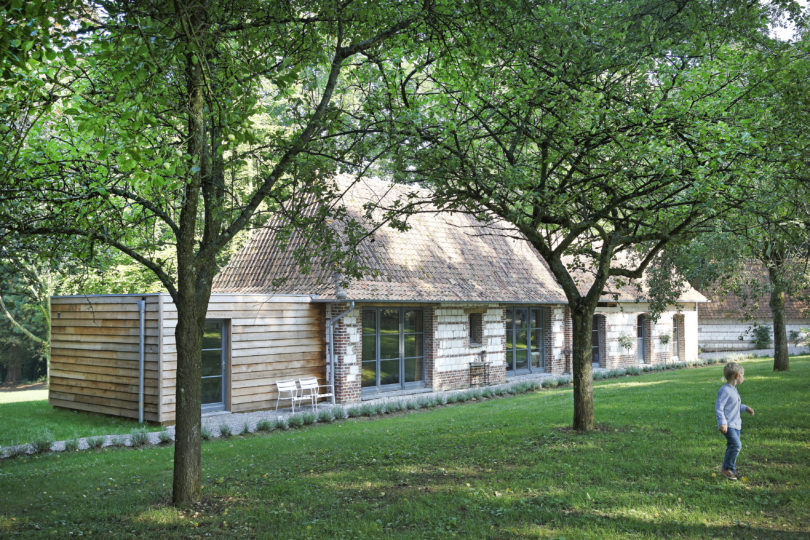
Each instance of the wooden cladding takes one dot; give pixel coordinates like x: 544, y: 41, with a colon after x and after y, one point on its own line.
x: 94, y: 354
x: 269, y: 339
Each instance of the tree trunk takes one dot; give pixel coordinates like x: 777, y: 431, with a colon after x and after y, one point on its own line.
x: 13, y: 367
x: 187, y: 461
x: 781, y: 360
x: 582, y: 320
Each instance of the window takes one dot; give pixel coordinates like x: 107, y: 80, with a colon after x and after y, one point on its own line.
x: 213, y: 369
x: 677, y: 335
x: 641, y: 335
x: 525, y: 339
x: 393, y: 354
x: 476, y: 321
x: 596, y: 357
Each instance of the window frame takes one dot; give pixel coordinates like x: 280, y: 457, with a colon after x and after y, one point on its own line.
x: 479, y: 325
x: 224, y: 343
x: 542, y: 324
x: 402, y: 384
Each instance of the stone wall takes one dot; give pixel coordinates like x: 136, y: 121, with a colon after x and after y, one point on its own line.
x: 622, y: 321
x: 716, y: 335
x: 452, y: 349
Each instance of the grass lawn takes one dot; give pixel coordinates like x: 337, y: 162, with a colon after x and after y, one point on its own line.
x: 500, y: 468
x: 26, y: 415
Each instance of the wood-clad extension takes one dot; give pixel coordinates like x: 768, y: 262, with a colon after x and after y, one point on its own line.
x: 94, y: 354
x: 94, y: 351
x: 270, y: 338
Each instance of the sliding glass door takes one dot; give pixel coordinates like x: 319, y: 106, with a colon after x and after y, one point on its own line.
x: 393, y: 349
x: 525, y: 339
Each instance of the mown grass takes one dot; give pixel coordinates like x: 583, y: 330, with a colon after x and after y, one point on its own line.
x: 501, y: 468
x: 25, y: 421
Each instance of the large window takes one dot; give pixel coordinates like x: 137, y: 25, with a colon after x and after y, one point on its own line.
x: 525, y: 339
x: 214, y: 360
x: 393, y: 349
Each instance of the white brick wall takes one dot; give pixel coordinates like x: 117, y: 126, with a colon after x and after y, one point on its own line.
x: 724, y: 334
x: 622, y: 321
x: 453, y: 351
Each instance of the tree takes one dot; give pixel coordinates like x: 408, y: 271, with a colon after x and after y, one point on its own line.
x: 770, y: 223
x: 181, y: 124
x: 24, y: 306
x: 600, y: 148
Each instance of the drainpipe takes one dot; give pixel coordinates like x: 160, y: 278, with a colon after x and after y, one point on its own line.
x: 331, y: 353
x: 141, y: 309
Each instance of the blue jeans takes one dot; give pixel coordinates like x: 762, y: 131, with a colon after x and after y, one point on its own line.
x: 733, y: 447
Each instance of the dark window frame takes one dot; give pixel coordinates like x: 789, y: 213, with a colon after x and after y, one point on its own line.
x: 475, y: 321
x: 377, y: 387
x: 224, y: 344
x: 541, y: 324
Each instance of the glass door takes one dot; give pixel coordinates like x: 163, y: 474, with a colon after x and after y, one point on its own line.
x: 213, y: 366
x: 525, y: 339
x: 393, y: 349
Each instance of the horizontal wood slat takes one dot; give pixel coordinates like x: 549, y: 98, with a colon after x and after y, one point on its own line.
x: 95, y: 350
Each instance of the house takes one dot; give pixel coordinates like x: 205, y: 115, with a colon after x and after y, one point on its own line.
x: 625, y: 334
x: 727, y: 323
x: 448, y: 303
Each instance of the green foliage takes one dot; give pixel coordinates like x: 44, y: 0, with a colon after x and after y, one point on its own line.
x: 339, y: 412
x: 762, y: 336
x: 165, y: 437
x: 245, y: 429
x: 205, y: 433
x: 117, y: 441
x: 43, y: 442
x: 265, y: 425
x: 308, y: 418
x: 139, y: 437
x: 295, y: 420
x: 71, y: 445
x: 626, y: 342
x: 225, y: 430
x: 95, y: 443
x: 326, y: 416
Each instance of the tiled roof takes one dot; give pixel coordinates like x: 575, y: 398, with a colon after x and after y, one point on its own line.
x: 749, y: 305
x: 624, y: 290
x: 443, y: 257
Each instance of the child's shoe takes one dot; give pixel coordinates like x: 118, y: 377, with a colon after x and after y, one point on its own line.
x: 729, y: 474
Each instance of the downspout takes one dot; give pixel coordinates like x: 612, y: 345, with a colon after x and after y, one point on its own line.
x: 141, y: 309
x: 331, y: 352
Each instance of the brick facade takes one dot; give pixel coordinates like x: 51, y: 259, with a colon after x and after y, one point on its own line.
x: 448, y: 352
x: 346, y: 336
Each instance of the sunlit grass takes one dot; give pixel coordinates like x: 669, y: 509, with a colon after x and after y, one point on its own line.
x: 24, y: 421
x: 501, y: 468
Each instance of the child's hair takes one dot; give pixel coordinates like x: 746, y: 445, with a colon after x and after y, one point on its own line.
x: 731, y: 370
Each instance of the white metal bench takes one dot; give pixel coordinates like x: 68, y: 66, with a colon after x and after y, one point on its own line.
x: 313, y: 391
x: 287, y: 390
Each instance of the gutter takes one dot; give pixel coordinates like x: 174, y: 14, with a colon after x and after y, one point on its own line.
x: 141, y: 310
x: 331, y: 350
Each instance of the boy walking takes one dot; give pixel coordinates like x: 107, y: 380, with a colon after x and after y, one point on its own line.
x: 727, y: 408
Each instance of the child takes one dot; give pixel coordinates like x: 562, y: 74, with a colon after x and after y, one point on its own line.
x: 728, y: 408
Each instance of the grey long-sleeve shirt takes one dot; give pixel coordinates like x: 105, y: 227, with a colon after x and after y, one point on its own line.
x: 728, y: 407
